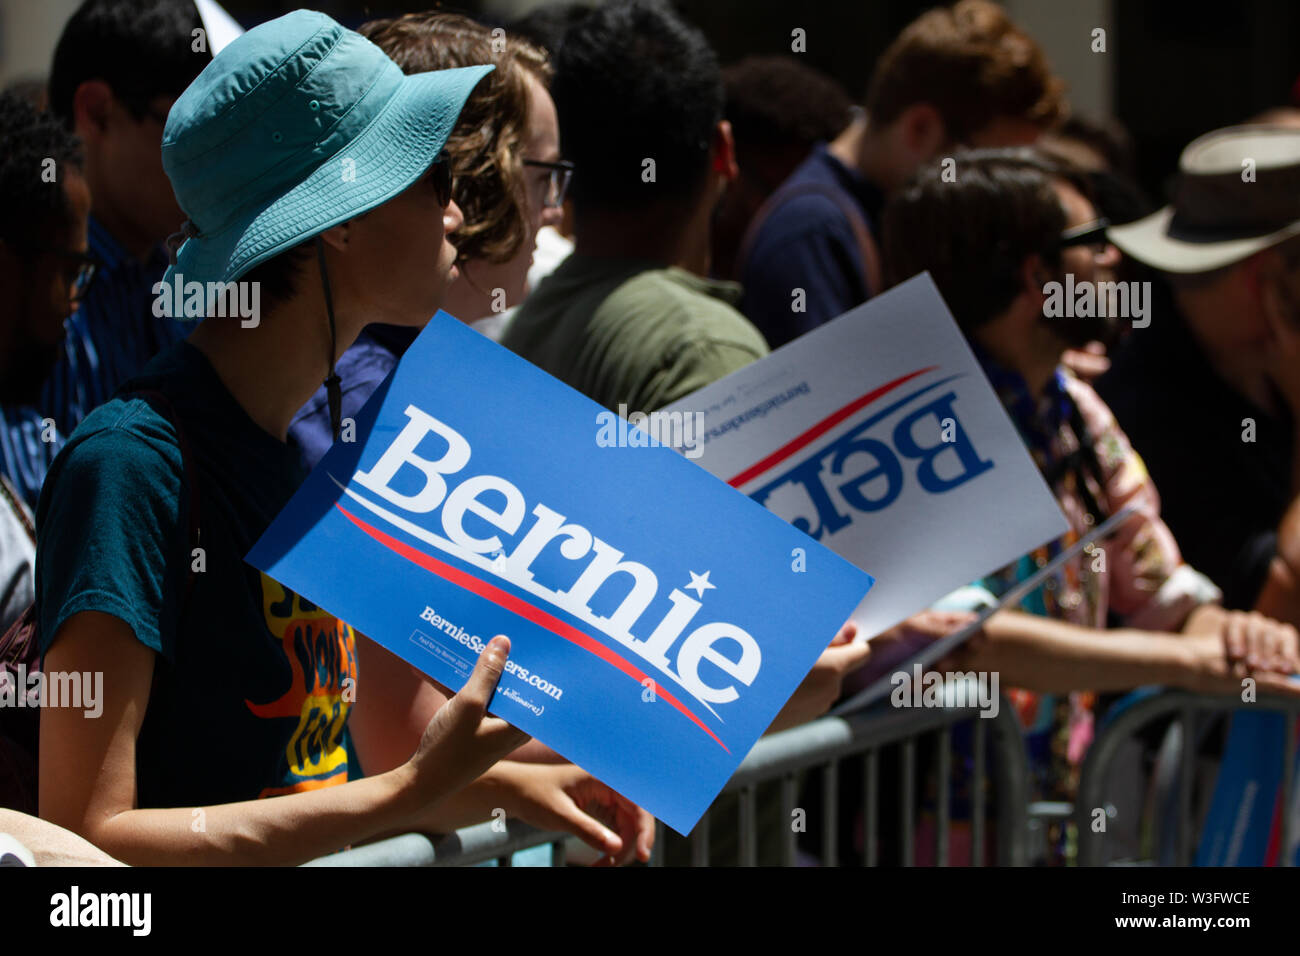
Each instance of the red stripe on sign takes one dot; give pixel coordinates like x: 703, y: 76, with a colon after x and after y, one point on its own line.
x: 821, y: 428
x: 528, y: 612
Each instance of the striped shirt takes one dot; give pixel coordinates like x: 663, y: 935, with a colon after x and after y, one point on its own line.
x: 110, y: 337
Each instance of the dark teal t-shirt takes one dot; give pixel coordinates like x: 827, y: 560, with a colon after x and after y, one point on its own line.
x: 252, y: 684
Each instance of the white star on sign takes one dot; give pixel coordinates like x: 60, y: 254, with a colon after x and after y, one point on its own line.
x: 700, y: 583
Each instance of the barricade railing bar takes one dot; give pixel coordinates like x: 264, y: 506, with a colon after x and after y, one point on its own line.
x: 480, y: 843
x: 821, y: 746
x: 824, y: 744
x: 1189, y: 713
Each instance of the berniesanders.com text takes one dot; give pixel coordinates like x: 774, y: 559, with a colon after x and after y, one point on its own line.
x: 476, y: 644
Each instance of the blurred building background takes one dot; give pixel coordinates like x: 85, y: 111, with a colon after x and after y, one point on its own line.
x: 1171, y: 69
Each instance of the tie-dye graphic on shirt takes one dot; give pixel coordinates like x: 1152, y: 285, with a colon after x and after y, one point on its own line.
x: 321, y: 651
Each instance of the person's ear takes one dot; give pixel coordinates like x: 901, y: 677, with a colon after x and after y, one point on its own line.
x: 922, y: 132
x: 1266, y: 265
x: 1033, y: 278
x: 1263, y: 274
x: 92, y: 106
x: 724, y: 152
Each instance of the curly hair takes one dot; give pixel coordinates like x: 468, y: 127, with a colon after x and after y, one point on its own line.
x: 486, y: 146
x: 32, y: 206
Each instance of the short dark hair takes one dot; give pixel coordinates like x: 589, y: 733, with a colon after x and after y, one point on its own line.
x: 634, y: 82
x: 32, y: 207
x: 778, y: 101
x: 1107, y: 137
x: 973, y: 232
x: 141, y: 48
x: 545, y: 26
x: 972, y: 64
x: 277, y: 278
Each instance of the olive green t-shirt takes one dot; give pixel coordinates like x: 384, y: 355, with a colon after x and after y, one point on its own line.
x: 628, y: 331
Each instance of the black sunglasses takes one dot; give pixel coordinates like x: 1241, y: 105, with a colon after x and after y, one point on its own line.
x: 561, y: 173
x: 1088, y: 234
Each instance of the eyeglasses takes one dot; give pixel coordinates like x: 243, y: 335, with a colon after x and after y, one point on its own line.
x: 558, y: 184
x: 1088, y: 234
x: 82, y: 269
x: 84, y: 273
x: 440, y: 175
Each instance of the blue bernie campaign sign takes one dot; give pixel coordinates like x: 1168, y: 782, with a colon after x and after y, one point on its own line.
x: 659, y: 620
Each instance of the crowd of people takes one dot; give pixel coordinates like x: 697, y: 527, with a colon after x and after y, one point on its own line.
x: 363, y: 180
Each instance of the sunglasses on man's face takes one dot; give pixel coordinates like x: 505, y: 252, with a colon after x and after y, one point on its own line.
x: 1088, y: 234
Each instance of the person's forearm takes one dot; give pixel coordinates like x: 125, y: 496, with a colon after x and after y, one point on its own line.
x: 1205, y: 619
x: 797, y: 710
x: 1040, y: 654
x: 476, y: 803
x: 276, y: 831
x: 1279, y: 598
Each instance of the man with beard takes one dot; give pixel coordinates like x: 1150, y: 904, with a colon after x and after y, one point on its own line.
x: 1212, y: 388
x: 1128, y: 611
x: 44, y: 269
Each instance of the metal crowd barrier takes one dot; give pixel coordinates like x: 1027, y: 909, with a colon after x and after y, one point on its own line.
x: 1189, y: 715
x: 820, y: 746
x: 481, y: 843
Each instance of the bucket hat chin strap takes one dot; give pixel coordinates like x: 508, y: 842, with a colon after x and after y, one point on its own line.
x: 174, y: 242
x: 333, y: 384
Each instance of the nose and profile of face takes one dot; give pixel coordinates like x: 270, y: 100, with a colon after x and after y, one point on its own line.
x: 47, y: 276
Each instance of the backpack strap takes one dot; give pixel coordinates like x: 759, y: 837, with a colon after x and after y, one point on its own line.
x: 867, y: 250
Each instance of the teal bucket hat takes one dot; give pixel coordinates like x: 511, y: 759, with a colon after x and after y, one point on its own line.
x: 297, y: 126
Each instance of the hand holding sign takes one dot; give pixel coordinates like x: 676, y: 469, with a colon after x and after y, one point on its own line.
x: 899, y: 644
x: 657, y: 621
x: 826, y: 681
x: 462, y: 741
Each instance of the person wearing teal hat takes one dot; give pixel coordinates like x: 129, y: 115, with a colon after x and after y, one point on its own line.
x: 308, y: 167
